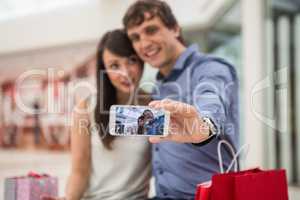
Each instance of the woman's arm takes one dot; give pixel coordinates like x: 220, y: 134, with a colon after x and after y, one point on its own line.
x: 80, y: 153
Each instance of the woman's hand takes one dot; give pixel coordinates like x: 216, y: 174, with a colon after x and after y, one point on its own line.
x: 186, y: 125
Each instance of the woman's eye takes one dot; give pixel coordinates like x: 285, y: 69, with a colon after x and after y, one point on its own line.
x: 114, y: 66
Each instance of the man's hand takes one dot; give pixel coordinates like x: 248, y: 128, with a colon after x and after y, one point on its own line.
x: 186, y: 125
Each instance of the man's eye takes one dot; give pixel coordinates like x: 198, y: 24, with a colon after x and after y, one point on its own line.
x: 134, y: 38
x: 151, y: 30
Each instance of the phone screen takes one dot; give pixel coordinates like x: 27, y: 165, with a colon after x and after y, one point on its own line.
x: 138, y: 120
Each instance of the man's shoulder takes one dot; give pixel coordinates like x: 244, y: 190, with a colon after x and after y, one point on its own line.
x: 207, y: 63
x: 200, y: 59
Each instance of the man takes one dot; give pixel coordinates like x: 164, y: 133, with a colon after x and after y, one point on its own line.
x: 201, y: 93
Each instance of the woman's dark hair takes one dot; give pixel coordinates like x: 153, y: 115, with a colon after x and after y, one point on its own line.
x: 116, y: 42
x: 140, y: 118
x: 135, y: 14
x: 140, y: 126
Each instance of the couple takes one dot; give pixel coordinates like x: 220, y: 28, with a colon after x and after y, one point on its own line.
x: 201, y: 93
x: 146, y: 117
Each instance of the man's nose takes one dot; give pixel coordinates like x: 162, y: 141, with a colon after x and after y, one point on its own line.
x: 145, y: 42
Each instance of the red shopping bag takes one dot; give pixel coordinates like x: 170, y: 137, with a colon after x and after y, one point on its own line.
x: 253, y: 184
x: 203, y: 191
x: 250, y: 184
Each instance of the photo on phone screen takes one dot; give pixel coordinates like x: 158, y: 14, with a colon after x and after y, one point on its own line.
x: 138, y: 120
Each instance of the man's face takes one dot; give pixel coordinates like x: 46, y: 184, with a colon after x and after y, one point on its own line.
x: 154, y: 42
x: 148, y: 116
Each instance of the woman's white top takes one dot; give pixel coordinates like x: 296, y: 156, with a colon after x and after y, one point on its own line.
x: 122, y: 173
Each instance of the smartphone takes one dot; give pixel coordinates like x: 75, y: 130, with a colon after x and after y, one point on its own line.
x: 138, y: 121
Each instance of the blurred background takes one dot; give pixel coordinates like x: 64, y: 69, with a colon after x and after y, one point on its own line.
x: 47, y: 62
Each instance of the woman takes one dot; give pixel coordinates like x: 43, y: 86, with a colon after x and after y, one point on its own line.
x: 106, y: 167
x: 141, y: 123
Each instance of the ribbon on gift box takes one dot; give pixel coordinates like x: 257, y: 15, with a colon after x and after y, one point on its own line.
x: 37, y: 175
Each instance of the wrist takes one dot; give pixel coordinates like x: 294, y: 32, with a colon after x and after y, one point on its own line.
x: 212, y: 130
x: 208, y: 130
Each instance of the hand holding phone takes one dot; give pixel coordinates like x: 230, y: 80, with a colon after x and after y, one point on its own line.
x: 187, y: 126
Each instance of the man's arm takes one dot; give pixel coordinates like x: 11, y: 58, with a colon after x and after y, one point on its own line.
x: 215, y: 85
x: 211, y: 93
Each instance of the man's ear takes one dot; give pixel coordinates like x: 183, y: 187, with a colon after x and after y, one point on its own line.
x: 177, y: 31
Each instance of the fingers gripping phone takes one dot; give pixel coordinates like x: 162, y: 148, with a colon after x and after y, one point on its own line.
x: 138, y: 121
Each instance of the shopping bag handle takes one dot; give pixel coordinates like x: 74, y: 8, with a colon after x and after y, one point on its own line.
x: 233, y: 153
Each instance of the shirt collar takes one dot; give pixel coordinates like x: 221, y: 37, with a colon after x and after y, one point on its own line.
x: 180, y: 63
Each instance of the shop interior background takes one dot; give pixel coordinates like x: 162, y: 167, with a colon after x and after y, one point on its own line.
x: 48, y: 48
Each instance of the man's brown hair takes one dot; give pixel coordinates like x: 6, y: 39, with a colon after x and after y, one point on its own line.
x: 135, y: 14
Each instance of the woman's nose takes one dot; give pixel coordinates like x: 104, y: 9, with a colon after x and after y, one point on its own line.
x: 124, y: 71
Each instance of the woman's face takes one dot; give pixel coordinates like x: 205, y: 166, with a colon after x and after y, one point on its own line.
x: 123, y: 72
x: 141, y: 122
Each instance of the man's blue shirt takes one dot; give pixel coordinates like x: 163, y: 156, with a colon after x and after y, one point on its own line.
x: 211, y: 85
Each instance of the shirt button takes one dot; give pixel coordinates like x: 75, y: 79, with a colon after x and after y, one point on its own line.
x: 161, y: 172
x: 165, y: 194
x: 156, y: 148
